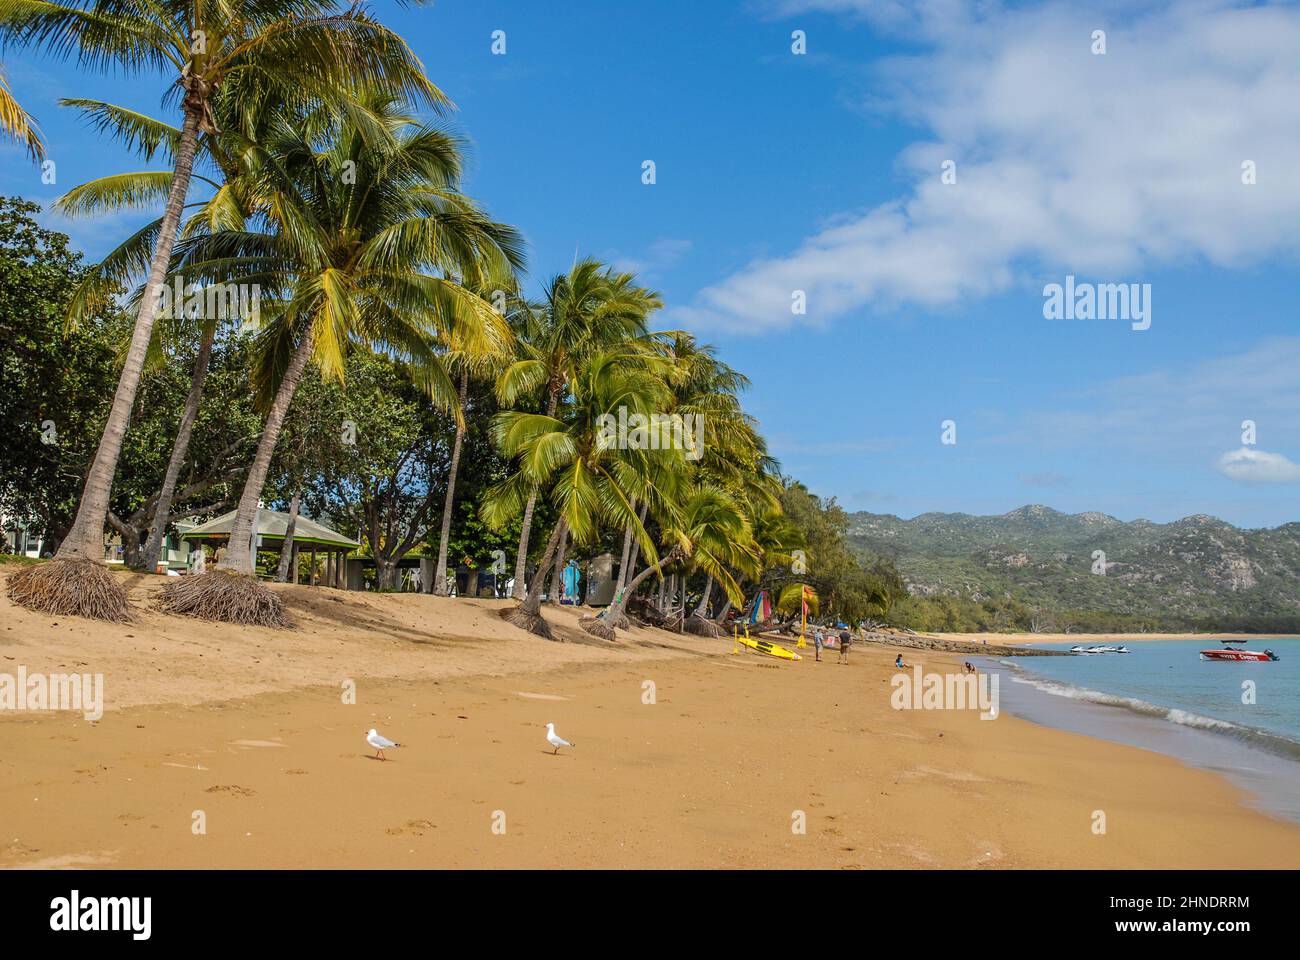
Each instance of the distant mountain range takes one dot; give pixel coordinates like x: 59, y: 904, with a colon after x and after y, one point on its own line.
x: 1199, y: 568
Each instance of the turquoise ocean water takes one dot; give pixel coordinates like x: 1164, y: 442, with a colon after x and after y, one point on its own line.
x: 1241, y: 719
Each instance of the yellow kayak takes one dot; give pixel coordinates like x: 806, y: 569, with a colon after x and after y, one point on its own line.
x: 769, y: 648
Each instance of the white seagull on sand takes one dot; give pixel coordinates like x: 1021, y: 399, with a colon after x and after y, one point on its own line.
x: 555, y: 739
x: 379, y: 743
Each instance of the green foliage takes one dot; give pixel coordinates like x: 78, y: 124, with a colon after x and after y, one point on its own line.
x: 48, y: 374
x: 1033, y: 569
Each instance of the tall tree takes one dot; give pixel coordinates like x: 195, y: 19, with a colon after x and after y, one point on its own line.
x: 362, y: 237
x: 205, y: 47
x: 590, y: 479
x: 589, y: 309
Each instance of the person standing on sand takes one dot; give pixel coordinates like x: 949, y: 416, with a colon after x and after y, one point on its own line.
x: 846, y: 641
x: 819, y: 640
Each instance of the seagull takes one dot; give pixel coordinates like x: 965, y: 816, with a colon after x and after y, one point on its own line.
x: 555, y: 739
x: 379, y: 743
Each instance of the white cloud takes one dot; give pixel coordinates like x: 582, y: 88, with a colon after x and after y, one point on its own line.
x: 1258, y: 466
x: 1102, y: 166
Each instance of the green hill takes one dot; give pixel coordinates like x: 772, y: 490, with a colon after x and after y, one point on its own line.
x: 1036, y: 568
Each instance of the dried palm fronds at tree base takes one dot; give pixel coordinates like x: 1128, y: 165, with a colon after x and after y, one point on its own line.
x: 597, y: 627
x: 78, y: 588
x: 702, y: 627
x: 223, y: 596
x: 532, y: 622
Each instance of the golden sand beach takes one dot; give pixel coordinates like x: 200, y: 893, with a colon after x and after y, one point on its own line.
x: 684, y: 755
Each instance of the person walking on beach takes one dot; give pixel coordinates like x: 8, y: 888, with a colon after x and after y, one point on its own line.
x: 846, y: 641
x: 819, y: 641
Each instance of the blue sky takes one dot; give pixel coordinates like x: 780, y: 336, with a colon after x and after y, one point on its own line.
x: 821, y: 172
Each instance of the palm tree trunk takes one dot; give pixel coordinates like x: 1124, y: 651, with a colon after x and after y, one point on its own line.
x: 615, y: 610
x: 557, y: 576
x: 440, y: 574
x: 533, y: 602
x: 722, y: 614
x: 703, y: 609
x: 238, y: 558
x: 521, y: 561
x: 286, y: 549
x: 623, y: 573
x: 636, y: 550
x: 153, y: 546
x: 86, y: 538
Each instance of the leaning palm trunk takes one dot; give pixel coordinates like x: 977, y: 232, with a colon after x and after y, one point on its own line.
x: 623, y: 571
x: 238, y: 557
x: 61, y: 585
x: 603, y: 625
x: 521, y: 560
x: 86, y: 538
x: 698, y: 622
x: 625, y: 579
x: 702, y: 610
x: 557, y: 575
x: 286, y: 549
x: 153, y: 546
x: 528, y: 615
x: 440, y: 587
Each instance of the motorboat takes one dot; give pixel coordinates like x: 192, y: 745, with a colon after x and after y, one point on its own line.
x: 1099, y: 648
x: 1236, y: 653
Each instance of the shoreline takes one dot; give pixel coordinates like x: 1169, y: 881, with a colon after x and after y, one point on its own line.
x: 247, y: 726
x: 1028, y: 639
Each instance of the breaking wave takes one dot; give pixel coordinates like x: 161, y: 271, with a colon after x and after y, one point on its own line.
x: 1274, y: 742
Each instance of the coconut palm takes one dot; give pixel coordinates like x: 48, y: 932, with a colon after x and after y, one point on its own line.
x: 589, y: 477
x: 468, y: 366
x: 589, y: 309
x: 358, y: 240
x: 242, y: 124
x: 206, y: 46
x: 709, y: 529
x: 17, y: 124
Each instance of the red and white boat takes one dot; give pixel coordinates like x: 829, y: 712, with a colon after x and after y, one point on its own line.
x: 1233, y: 653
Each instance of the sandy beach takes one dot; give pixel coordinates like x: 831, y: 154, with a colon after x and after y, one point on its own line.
x: 685, y: 755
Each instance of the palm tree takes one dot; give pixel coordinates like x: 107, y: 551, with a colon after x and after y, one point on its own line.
x: 360, y: 238
x: 709, y: 529
x: 247, y: 48
x: 589, y: 480
x: 17, y: 124
x: 589, y: 309
x: 242, y: 125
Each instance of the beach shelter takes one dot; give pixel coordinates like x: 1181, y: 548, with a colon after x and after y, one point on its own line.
x: 272, y: 525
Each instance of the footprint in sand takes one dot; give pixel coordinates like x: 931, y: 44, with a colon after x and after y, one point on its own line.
x: 256, y: 743
x: 943, y: 775
x: 416, y: 827
x: 232, y: 789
